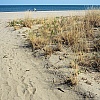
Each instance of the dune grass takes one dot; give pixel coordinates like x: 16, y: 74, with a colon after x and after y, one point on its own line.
x: 80, y: 33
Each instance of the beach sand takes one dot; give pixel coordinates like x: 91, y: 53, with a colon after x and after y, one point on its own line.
x: 39, y: 14
x: 23, y: 77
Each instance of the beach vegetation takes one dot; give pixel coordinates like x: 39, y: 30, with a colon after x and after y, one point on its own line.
x: 80, y: 33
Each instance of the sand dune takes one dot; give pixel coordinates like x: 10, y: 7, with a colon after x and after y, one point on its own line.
x: 22, y: 77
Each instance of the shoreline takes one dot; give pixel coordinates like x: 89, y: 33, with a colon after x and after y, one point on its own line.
x: 41, y: 11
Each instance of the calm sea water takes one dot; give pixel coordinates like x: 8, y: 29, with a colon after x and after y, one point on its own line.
x: 17, y: 8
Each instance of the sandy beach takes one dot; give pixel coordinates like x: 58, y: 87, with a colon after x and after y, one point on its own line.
x: 24, y: 77
x: 39, y: 14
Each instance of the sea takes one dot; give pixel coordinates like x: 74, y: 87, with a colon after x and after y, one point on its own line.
x: 20, y: 8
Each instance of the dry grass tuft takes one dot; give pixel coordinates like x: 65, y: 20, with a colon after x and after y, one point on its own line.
x: 37, y: 42
x: 93, y: 17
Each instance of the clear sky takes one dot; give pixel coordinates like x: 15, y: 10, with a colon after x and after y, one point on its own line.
x: 48, y: 2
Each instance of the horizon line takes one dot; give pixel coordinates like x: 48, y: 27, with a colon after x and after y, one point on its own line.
x: 50, y: 4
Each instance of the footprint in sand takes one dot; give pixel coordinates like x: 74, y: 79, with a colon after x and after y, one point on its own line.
x: 26, y: 92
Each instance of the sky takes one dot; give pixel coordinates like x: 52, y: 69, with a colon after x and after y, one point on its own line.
x: 49, y: 2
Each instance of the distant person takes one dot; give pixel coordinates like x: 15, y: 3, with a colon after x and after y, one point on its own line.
x: 34, y: 9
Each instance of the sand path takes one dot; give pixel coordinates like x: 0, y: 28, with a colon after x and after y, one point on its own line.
x: 22, y: 77
x: 19, y: 77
